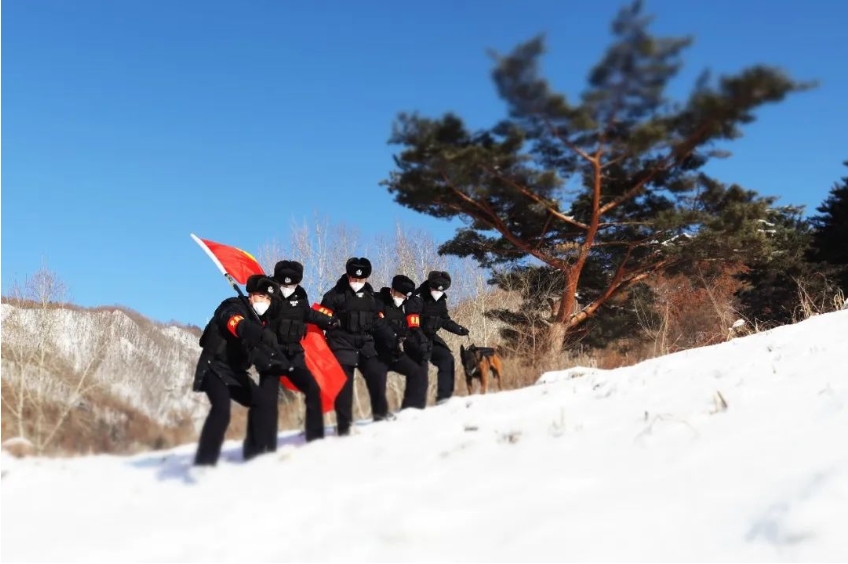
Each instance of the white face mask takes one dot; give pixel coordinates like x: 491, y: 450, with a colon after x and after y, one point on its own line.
x: 286, y: 291
x: 356, y: 286
x: 436, y: 294
x: 261, y: 307
x: 398, y: 301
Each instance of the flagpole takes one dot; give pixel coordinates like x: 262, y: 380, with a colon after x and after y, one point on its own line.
x: 227, y: 275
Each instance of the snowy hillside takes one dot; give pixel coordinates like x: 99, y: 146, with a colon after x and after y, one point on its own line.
x: 146, y: 364
x: 732, y: 452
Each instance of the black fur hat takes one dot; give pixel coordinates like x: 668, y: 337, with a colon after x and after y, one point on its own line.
x: 288, y: 272
x: 439, y: 280
x: 358, y: 267
x: 403, y: 284
x: 261, y: 284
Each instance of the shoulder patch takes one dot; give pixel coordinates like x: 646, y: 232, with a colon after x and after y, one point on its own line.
x: 232, y: 324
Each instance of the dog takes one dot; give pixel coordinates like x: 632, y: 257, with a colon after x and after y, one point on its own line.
x: 478, y: 362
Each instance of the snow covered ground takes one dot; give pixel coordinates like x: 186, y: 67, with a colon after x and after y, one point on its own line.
x: 635, y: 464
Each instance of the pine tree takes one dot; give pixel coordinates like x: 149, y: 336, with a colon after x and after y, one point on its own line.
x: 775, y: 274
x: 830, y: 237
x: 602, y: 192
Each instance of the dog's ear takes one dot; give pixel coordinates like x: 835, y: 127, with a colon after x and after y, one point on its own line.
x: 461, y: 351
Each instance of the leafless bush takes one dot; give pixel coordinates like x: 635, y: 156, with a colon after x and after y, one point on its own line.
x: 655, y: 324
x: 688, y: 311
x: 823, y: 296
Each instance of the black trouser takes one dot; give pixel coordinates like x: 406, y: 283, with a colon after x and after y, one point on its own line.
x: 415, y: 392
x: 215, y: 426
x: 442, y: 359
x: 262, y: 418
x: 375, y: 381
x: 304, y: 381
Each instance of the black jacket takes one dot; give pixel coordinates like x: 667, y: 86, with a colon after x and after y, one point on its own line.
x: 288, y: 319
x: 225, y: 351
x: 405, y: 324
x: 435, y: 316
x: 359, y: 316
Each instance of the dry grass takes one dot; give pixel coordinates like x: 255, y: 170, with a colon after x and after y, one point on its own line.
x: 99, y: 424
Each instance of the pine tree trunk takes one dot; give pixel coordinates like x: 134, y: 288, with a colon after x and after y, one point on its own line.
x: 556, y: 336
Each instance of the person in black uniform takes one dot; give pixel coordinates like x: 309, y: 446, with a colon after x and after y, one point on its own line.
x: 403, y: 316
x: 289, y: 324
x: 434, y: 316
x: 235, y: 338
x: 352, y: 302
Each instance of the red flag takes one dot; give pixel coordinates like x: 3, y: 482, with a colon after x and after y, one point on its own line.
x: 322, y: 363
x: 231, y: 260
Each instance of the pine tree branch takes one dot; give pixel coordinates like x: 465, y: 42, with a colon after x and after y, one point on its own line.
x: 486, y: 215
x: 536, y: 198
x: 555, y: 132
x: 676, y: 155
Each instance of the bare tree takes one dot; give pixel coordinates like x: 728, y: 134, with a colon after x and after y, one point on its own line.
x: 40, y: 386
x: 382, y: 254
x: 322, y: 248
x: 417, y: 254
x: 481, y: 298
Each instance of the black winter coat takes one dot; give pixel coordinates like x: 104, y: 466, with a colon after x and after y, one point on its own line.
x: 359, y: 316
x: 288, y: 319
x: 404, y: 322
x: 224, y: 350
x: 435, y: 316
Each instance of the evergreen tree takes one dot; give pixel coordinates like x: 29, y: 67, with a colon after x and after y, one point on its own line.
x: 601, y: 192
x: 779, y: 270
x: 830, y: 237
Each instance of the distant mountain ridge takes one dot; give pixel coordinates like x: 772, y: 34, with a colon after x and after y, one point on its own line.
x: 105, y: 364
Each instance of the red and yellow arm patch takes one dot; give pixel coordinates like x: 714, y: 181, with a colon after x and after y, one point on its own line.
x: 413, y: 320
x: 322, y: 309
x: 233, y: 322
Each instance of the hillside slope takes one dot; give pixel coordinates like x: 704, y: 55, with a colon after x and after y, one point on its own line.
x: 729, y: 452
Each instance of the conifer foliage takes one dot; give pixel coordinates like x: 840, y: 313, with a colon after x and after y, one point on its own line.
x: 830, y: 237
x: 599, y: 191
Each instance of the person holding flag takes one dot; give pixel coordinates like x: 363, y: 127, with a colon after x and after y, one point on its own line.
x: 322, y: 378
x: 235, y: 338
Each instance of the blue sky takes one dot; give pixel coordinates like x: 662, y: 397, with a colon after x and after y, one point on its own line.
x: 128, y: 125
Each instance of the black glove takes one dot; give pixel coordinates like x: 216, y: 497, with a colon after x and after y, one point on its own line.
x: 463, y: 331
x: 269, y: 338
x: 418, y: 347
x: 334, y: 323
x: 250, y: 332
x: 269, y: 359
x: 255, y: 334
